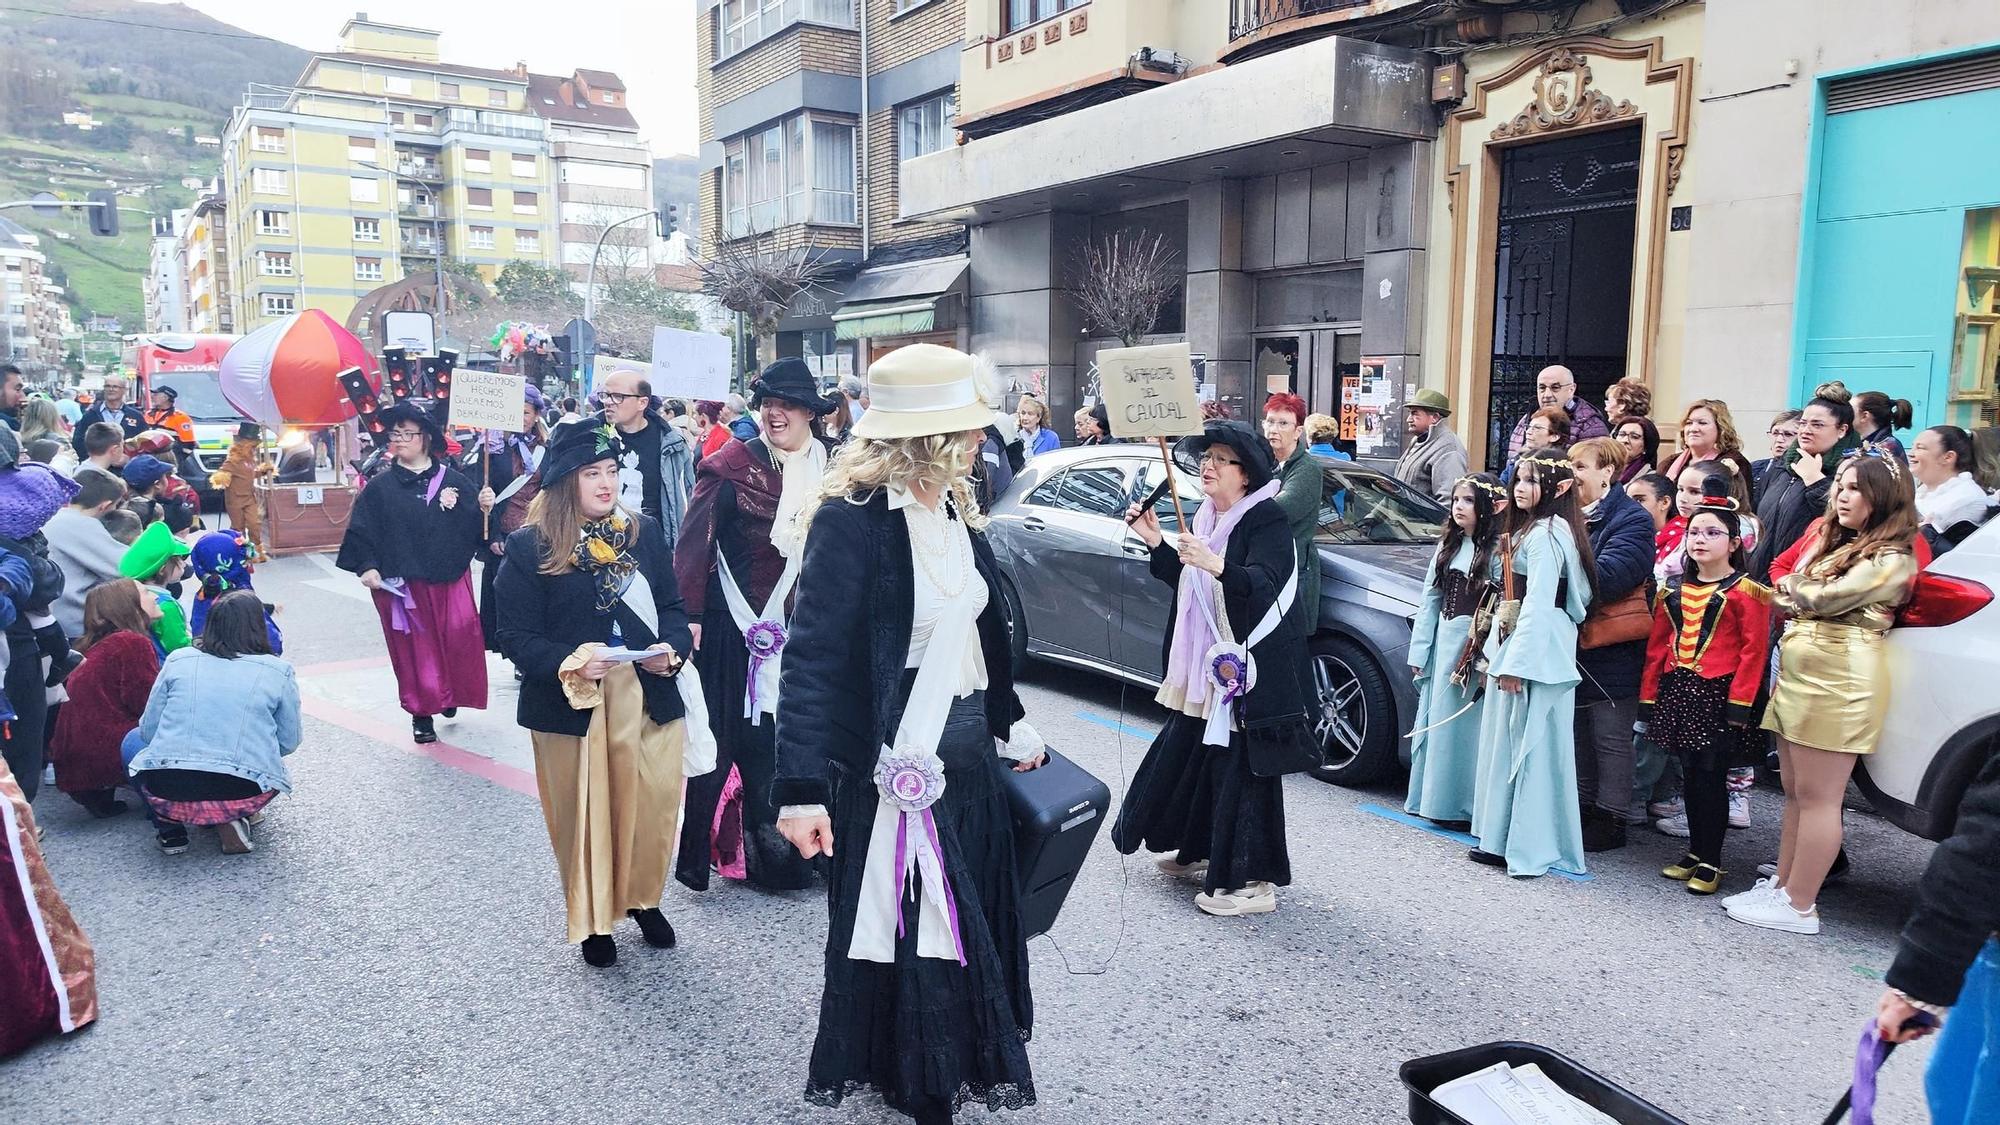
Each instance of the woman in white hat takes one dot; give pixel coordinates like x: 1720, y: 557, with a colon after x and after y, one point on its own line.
x: 894, y: 724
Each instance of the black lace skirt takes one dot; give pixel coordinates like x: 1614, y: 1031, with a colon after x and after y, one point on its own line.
x: 1691, y: 718
x: 1203, y: 802
x: 751, y: 831
x: 926, y: 1030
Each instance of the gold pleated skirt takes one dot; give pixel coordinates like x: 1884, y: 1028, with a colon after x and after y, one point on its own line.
x: 612, y: 800
x: 1833, y: 687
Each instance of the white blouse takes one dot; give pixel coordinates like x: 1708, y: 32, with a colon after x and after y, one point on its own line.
x: 942, y: 565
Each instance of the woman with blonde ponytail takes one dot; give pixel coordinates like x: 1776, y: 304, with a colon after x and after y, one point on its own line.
x: 896, y: 717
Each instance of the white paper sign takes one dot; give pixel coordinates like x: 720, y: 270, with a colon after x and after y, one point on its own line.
x: 690, y: 365
x: 487, y: 400
x: 1149, y: 391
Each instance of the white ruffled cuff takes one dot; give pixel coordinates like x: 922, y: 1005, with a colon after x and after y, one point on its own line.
x: 1024, y: 744
x: 792, y: 812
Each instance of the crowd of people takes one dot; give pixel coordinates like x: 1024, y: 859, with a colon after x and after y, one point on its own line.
x: 694, y: 596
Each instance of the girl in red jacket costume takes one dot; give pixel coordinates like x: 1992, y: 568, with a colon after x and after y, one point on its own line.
x: 107, y: 695
x: 1705, y: 663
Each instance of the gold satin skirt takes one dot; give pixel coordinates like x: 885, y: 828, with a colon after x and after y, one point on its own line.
x: 612, y: 800
x: 1833, y: 687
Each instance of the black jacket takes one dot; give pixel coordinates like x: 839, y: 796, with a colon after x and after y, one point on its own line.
x: 1621, y: 544
x: 840, y: 696
x: 542, y: 618
x: 1788, y: 507
x: 1256, y: 562
x: 400, y: 528
x: 127, y: 418
x: 1956, y: 907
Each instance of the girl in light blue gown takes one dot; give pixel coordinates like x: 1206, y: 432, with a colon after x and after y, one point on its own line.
x: 1444, y: 740
x: 1525, y: 811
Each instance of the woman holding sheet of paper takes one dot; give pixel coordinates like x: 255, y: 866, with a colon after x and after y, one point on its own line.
x: 410, y: 539
x: 585, y: 586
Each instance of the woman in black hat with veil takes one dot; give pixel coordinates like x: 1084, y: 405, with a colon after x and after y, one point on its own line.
x: 1210, y: 791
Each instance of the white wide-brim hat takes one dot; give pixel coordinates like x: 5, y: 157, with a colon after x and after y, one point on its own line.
x: 920, y: 390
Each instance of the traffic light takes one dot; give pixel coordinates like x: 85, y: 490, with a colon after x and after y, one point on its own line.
x: 562, y: 357
x: 104, y: 216
x: 668, y: 220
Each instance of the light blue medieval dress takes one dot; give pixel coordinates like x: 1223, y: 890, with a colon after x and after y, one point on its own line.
x: 1525, y: 807
x: 1444, y: 753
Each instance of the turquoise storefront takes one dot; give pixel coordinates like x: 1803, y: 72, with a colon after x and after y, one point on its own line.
x: 1900, y: 251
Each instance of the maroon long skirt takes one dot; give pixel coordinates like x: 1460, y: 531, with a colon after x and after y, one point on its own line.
x: 441, y: 661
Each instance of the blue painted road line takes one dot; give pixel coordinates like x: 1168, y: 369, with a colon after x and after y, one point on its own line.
x: 1114, y: 724
x: 1463, y: 838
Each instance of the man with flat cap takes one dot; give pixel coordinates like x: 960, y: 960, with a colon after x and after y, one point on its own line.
x: 1435, y: 458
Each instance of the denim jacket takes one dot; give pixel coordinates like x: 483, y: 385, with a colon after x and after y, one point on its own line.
x: 237, y: 717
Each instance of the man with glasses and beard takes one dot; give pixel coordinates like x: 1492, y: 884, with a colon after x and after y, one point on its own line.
x: 656, y: 469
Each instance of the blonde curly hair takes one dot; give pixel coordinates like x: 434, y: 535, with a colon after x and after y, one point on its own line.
x: 866, y: 465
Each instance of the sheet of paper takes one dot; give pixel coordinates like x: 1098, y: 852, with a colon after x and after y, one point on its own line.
x: 624, y: 655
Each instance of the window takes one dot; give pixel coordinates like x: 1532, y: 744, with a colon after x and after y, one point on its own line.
x: 525, y: 167
x: 1150, y: 473
x: 367, y: 230
x: 608, y: 97
x: 480, y: 238
x: 479, y: 198
x: 524, y: 203
x: 268, y: 139
x: 922, y: 127
x: 478, y: 160
x: 361, y: 148
x: 271, y: 181
x: 274, y: 222
x: 447, y: 91
x: 395, y: 117
x: 527, y: 242
x: 1021, y: 13
x: 799, y: 170
x: 1097, y: 490
x: 622, y: 176
x: 364, y: 189
x: 367, y: 269
x: 497, y: 98
x: 743, y: 22
x: 272, y: 264
x: 279, y: 304
x: 397, y: 83
x: 424, y: 120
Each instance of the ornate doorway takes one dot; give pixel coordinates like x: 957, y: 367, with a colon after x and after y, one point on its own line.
x: 1562, y: 288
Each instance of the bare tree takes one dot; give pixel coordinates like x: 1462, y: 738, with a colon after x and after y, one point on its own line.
x: 752, y: 277
x: 1123, y: 280
x: 626, y: 252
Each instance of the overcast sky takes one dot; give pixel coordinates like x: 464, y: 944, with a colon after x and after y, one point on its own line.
x: 645, y: 42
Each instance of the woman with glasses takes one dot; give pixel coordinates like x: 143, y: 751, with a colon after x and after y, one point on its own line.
x: 1795, y: 491
x: 1784, y: 433
x: 1640, y: 440
x: 410, y: 538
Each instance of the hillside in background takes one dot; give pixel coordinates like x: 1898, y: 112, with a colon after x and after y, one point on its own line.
x: 152, y: 78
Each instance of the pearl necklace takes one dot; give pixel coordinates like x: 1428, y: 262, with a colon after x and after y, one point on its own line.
x: 954, y: 551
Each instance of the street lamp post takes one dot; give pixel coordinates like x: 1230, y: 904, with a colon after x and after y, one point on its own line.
x: 590, y: 280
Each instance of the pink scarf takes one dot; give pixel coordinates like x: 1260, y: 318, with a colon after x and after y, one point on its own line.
x: 1188, y: 683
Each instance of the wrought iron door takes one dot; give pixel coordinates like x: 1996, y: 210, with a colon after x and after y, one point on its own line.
x: 1562, y: 271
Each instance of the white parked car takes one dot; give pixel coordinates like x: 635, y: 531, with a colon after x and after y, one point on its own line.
x: 1944, y: 702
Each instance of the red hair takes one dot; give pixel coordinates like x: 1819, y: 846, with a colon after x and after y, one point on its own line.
x: 1285, y: 400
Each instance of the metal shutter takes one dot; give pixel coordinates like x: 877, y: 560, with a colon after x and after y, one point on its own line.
x: 1910, y: 84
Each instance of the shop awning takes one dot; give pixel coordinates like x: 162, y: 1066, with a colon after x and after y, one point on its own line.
x: 898, y: 300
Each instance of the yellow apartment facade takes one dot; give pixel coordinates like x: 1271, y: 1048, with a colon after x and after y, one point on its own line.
x: 204, y: 255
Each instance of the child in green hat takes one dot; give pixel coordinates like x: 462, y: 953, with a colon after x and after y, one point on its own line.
x: 157, y: 560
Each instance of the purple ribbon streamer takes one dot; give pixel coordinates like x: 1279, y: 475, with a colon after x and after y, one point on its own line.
x: 402, y: 606
x: 902, y: 874
x: 1869, y: 1056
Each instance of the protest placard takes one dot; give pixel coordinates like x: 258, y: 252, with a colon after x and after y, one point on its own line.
x: 690, y: 365
x: 1149, y: 391
x: 487, y: 400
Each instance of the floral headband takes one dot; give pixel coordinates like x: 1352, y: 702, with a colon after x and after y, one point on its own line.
x: 1484, y: 485
x: 1880, y: 453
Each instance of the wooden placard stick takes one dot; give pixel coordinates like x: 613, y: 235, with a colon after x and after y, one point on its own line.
x: 1173, y: 486
x: 485, y: 482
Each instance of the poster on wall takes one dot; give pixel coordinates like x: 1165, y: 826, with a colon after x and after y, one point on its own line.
x: 1350, y: 407
x: 1378, y: 425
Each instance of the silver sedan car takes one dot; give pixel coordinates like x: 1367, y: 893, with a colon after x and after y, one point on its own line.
x: 1079, y: 592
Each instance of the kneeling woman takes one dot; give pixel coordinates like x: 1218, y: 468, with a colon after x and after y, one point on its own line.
x: 580, y: 575
x: 896, y: 707
x: 1211, y: 788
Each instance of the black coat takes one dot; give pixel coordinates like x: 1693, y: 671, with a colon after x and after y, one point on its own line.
x: 840, y: 696
x: 126, y: 418
x: 1956, y: 907
x: 1621, y: 544
x: 542, y: 618
x: 395, y: 531
x: 1256, y: 562
x: 1787, y: 508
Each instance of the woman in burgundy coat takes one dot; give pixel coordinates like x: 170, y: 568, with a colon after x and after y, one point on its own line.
x: 107, y: 695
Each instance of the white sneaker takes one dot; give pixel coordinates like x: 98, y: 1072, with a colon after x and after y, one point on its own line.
x: 1676, y: 826
x: 1662, y: 810
x: 235, y: 837
x: 1775, y: 912
x: 1760, y: 889
x: 1739, y: 808
x: 1189, y: 871
x: 1257, y: 898
x: 1768, y: 870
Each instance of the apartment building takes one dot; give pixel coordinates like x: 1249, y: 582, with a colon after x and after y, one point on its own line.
x: 166, y: 275
x: 32, y: 317
x: 809, y: 110
x: 384, y: 162
x: 204, y: 254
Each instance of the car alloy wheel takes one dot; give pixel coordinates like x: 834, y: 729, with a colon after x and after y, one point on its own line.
x: 1340, y: 714
x: 1353, y: 713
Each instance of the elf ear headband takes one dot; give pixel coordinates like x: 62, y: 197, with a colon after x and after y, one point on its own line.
x: 1550, y: 462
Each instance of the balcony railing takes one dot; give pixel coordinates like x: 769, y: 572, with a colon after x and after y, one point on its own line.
x: 417, y: 169
x: 1247, y: 17
x: 418, y: 210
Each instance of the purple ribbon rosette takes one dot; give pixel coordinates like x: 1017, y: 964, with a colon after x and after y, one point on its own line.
x: 765, y: 638
x: 912, y: 781
x: 1231, y: 675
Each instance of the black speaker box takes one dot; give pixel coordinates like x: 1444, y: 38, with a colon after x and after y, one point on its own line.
x: 1057, y: 812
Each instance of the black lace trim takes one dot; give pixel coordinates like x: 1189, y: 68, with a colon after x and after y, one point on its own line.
x: 1004, y: 1095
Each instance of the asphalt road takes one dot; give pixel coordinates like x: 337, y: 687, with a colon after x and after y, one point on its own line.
x: 392, y: 951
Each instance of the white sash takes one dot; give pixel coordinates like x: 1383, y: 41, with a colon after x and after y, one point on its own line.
x: 1232, y: 670
x: 763, y: 635
x: 698, y: 753
x: 909, y: 779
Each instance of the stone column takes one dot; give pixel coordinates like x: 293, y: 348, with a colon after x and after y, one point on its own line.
x: 1023, y: 319
x: 1220, y: 297
x: 1392, y: 274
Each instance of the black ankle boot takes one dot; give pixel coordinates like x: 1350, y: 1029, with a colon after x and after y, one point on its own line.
x: 599, y: 951
x: 1485, y: 858
x: 422, y: 729
x: 659, y: 932
x: 450, y: 712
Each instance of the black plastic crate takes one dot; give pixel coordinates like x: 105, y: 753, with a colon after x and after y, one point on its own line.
x: 1427, y: 1074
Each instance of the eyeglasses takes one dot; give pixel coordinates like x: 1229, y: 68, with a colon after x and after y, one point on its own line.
x: 1554, y: 386
x: 1211, y: 459
x: 405, y: 435
x: 1784, y: 433
x: 613, y: 398
x: 1704, y: 534
x: 1815, y: 424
